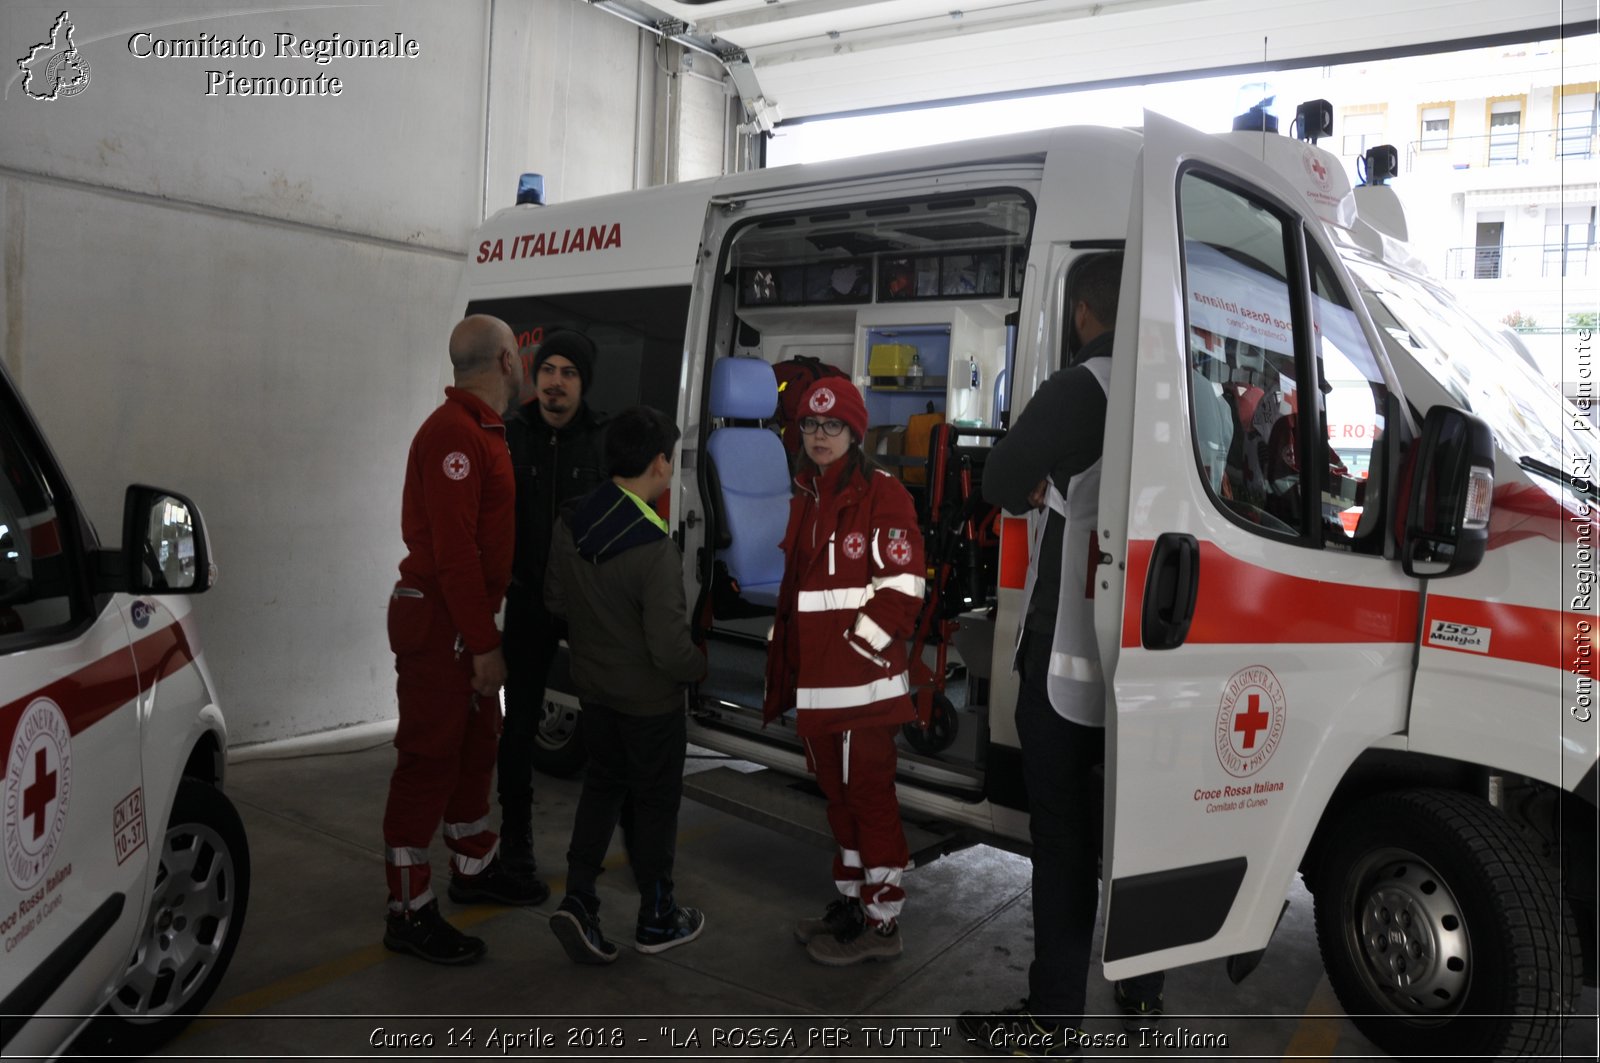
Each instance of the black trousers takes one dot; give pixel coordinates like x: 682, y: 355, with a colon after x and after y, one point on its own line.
x: 531, y: 639
x: 1063, y: 766
x: 635, y: 776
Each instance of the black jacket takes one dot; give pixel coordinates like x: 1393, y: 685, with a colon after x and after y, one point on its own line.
x: 618, y: 580
x: 1060, y: 433
x: 552, y: 465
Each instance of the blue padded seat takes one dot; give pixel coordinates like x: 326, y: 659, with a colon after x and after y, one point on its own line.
x: 753, y: 470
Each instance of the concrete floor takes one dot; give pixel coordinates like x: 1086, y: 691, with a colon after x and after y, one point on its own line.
x: 311, y: 977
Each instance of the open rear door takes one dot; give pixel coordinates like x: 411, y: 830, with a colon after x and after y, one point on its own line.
x: 1255, y: 637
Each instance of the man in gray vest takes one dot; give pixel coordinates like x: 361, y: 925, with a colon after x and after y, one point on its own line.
x: 1048, y: 466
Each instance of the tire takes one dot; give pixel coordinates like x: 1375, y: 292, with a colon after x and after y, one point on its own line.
x: 182, y: 955
x: 943, y: 726
x: 1441, y: 931
x: 557, y: 747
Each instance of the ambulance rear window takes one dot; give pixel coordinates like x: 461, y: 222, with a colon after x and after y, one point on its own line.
x: 35, y: 565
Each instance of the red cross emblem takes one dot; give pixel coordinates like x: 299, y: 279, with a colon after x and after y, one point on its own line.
x: 456, y: 465
x: 900, y: 552
x: 822, y: 400
x: 855, y: 546
x: 1250, y: 720
x: 36, y: 797
x: 1320, y: 170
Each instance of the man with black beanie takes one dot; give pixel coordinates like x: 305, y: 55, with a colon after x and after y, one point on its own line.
x: 557, y: 453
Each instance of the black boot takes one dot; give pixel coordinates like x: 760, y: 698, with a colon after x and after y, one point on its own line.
x: 516, y: 845
x: 498, y: 884
x: 425, y: 934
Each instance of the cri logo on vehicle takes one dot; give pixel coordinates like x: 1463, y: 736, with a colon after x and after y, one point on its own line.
x: 141, y: 611
x: 1250, y: 721
x: 38, y: 789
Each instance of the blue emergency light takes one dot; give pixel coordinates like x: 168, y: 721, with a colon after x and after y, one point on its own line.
x: 530, y: 189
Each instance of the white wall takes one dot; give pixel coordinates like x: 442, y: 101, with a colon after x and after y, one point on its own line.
x: 247, y: 299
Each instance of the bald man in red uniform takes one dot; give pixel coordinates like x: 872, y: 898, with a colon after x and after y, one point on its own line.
x: 457, y: 518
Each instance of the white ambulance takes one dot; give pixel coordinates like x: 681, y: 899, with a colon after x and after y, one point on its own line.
x: 1373, y: 668
x: 126, y: 870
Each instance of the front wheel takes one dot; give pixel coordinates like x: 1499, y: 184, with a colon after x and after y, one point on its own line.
x: 1440, y: 930
x: 197, y: 910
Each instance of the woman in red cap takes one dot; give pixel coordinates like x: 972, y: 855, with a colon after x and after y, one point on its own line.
x: 852, y: 589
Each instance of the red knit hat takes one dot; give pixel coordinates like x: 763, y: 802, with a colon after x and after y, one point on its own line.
x: 835, y: 397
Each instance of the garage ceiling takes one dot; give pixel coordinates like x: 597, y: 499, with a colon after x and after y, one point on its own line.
x: 816, y: 57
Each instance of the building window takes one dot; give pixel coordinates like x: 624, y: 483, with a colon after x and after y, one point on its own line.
x: 1435, y: 128
x: 1575, y: 126
x: 1505, y: 132
x: 1568, y: 235
x: 1362, y: 131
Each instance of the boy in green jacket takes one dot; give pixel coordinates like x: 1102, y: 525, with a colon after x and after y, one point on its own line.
x: 617, y: 577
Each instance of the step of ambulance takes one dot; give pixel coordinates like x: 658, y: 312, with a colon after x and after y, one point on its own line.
x: 791, y: 806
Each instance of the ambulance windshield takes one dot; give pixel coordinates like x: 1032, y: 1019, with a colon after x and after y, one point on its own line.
x: 1481, y: 371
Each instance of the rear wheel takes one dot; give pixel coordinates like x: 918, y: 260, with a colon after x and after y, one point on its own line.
x: 1440, y: 929
x: 196, y: 913
x: 943, y: 726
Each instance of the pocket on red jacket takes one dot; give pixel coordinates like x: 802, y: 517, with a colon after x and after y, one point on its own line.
x: 411, y: 620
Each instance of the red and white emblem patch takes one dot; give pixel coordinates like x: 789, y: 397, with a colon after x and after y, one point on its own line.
x: 822, y: 400
x: 1250, y: 720
x: 456, y: 465
x: 899, y: 551
x: 38, y: 789
x: 855, y: 546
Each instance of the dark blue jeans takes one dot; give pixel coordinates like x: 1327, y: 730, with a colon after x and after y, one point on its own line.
x: 635, y: 777
x: 1063, y: 766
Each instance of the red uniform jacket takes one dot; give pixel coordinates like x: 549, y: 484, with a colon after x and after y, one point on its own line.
x: 457, y: 515
x: 852, y: 589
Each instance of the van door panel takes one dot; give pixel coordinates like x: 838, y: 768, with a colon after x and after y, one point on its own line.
x: 80, y: 897
x: 1223, y: 751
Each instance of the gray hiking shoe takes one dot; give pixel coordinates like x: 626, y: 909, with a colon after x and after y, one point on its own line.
x: 843, y: 915
x: 869, y: 943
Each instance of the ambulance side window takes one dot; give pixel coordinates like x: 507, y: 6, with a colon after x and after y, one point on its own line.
x: 1354, y: 398
x: 36, y: 585
x: 1244, y: 393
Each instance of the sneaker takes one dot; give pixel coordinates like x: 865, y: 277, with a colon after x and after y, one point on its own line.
x: 680, y: 927
x: 867, y: 943
x: 1137, y: 1014
x: 842, y: 916
x: 1016, y: 1032
x: 578, y: 930
x: 425, y: 934
x: 498, y: 884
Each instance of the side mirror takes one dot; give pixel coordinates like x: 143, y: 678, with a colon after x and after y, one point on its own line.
x: 1449, y: 496
x: 164, y: 549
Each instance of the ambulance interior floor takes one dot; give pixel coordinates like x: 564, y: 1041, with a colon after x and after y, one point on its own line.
x: 311, y: 977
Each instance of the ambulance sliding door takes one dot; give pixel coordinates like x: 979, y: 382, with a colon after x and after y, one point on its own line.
x: 1254, y: 638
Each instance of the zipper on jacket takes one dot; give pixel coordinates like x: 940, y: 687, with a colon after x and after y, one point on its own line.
x: 555, y: 475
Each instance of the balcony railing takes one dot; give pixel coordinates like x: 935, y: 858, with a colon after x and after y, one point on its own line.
x: 1525, y: 147
x: 1518, y: 261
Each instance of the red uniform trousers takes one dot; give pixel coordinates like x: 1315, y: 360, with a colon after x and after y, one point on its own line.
x: 855, y: 770
x: 447, y: 740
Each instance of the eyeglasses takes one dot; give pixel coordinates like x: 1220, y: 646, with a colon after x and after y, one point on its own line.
x: 811, y: 426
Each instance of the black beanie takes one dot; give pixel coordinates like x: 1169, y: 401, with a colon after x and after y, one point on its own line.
x: 575, y: 347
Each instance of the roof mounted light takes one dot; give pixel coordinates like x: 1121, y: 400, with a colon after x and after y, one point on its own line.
x: 1313, y: 120
x: 1378, y: 164
x: 530, y: 189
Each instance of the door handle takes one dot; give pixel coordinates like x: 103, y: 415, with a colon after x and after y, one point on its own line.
x: 1170, y: 590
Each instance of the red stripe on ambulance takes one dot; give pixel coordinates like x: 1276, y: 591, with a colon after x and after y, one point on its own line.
x: 1245, y: 604
x: 97, y: 690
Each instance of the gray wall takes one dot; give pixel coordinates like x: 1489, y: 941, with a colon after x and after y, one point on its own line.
x: 247, y: 298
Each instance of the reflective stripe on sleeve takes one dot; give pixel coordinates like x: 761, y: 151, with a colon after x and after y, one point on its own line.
x: 868, y: 631
x: 850, y: 857
x: 1078, y: 669
x: 851, y: 697
x: 905, y: 583
x: 828, y: 601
